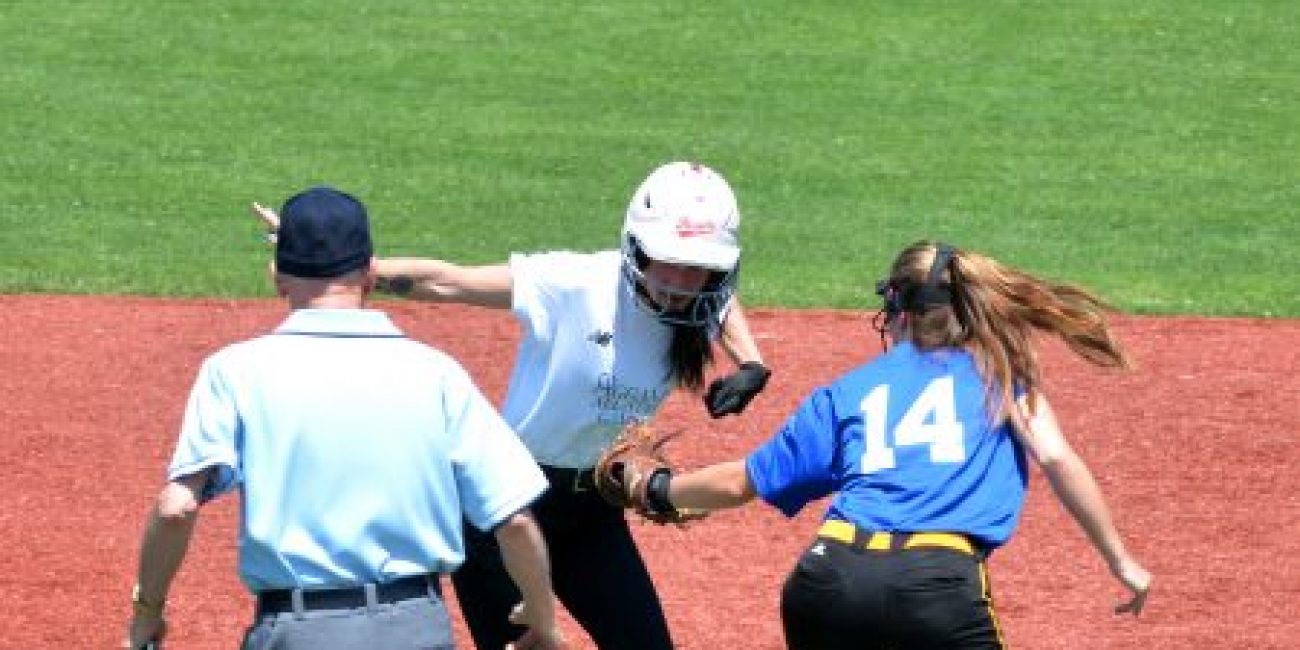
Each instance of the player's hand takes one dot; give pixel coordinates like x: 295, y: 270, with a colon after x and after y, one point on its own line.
x: 541, y: 635
x: 1138, y: 581
x: 271, y: 221
x: 731, y: 394
x: 145, y: 632
x: 268, y: 217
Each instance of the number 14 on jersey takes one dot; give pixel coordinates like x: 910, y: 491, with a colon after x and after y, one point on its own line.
x: 931, y: 420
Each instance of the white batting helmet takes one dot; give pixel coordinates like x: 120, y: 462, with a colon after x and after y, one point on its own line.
x: 685, y: 213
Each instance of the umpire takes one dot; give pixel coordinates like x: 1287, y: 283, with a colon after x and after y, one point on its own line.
x: 356, y: 452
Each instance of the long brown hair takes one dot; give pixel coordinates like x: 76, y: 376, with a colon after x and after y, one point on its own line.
x: 994, y: 311
x: 689, y: 355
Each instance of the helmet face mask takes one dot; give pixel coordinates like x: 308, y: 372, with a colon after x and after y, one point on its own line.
x: 683, y: 214
x: 698, y: 308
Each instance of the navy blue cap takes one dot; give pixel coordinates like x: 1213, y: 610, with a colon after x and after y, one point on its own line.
x: 324, y: 233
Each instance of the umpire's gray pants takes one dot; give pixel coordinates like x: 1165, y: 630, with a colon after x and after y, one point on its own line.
x: 416, y: 624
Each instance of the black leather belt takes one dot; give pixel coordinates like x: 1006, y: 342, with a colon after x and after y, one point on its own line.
x: 572, y: 480
x: 281, y: 600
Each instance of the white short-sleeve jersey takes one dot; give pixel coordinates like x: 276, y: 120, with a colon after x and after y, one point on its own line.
x: 589, y: 358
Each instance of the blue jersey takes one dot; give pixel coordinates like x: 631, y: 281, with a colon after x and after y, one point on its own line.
x: 906, y: 444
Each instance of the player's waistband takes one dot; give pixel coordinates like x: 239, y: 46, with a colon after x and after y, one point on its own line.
x: 843, y: 531
x: 570, y: 479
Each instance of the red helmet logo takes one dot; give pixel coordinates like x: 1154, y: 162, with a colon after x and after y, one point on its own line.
x: 688, y: 228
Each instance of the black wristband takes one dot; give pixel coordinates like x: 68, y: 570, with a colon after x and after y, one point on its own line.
x: 656, y: 491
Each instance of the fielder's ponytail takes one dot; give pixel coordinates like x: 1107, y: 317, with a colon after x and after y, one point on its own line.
x: 995, y: 312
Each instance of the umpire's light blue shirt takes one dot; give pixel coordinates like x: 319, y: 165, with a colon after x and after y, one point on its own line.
x: 357, y: 451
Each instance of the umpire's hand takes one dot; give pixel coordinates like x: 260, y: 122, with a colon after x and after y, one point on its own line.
x: 145, y: 632
x: 541, y: 635
x: 731, y: 394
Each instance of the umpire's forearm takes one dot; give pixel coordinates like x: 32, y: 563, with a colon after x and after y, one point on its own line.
x: 523, y: 551
x: 166, y: 541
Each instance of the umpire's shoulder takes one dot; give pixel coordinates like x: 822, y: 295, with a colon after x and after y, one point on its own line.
x: 433, y: 360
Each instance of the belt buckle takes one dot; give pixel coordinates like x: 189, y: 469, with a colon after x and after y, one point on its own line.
x: 577, y: 485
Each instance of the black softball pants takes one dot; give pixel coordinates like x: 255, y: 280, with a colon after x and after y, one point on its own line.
x: 596, y: 570
x: 843, y: 596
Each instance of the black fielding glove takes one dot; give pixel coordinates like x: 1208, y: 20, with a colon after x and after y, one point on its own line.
x: 731, y: 394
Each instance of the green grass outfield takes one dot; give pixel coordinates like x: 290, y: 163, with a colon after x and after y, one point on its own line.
x: 1146, y: 149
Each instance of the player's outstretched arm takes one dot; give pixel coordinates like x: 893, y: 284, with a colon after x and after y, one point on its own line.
x: 427, y: 279
x: 442, y: 281
x: 724, y: 485
x: 1078, y: 491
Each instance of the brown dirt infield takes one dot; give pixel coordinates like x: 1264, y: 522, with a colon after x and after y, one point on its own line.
x: 1196, y: 450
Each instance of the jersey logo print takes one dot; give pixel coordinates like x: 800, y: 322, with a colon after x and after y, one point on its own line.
x: 931, y: 420
x: 601, y: 337
x: 818, y: 549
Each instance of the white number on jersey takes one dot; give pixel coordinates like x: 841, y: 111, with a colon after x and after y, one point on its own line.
x: 930, y: 420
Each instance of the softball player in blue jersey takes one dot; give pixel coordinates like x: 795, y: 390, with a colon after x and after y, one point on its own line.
x: 925, y: 450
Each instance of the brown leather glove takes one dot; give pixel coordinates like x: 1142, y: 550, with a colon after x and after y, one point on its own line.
x: 628, y: 468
